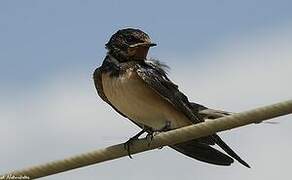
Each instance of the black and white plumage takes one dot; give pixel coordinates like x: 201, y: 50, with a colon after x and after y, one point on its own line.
x: 140, y: 90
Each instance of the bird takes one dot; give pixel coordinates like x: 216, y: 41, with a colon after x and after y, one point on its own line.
x: 139, y: 89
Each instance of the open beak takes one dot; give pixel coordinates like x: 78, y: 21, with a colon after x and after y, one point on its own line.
x: 146, y: 44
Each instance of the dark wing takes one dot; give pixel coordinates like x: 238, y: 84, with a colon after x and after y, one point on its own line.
x: 98, y: 84
x: 207, y: 113
x: 156, y: 78
x: 199, y: 149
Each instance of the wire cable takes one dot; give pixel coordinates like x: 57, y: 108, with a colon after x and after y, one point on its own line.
x: 162, y: 139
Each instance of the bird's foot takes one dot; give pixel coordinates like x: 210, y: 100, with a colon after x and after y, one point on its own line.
x: 128, y: 143
x: 153, y: 133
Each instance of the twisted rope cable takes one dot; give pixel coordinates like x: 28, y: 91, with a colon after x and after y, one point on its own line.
x: 163, y: 139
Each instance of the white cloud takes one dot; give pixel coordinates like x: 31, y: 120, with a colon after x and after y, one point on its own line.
x: 244, y: 68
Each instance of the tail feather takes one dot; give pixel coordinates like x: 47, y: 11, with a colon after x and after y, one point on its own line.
x: 203, y: 152
x: 228, y: 150
x: 200, y: 149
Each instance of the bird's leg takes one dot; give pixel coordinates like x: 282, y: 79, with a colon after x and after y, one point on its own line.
x: 151, y: 134
x: 129, y: 142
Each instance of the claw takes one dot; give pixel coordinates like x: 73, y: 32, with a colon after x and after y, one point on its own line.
x: 127, y: 146
x: 129, y: 142
x: 153, y: 133
x: 150, y: 135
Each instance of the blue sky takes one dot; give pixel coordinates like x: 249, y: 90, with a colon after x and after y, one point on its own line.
x: 232, y: 55
x: 53, y: 35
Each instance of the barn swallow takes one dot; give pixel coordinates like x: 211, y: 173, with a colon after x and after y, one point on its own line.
x: 140, y: 90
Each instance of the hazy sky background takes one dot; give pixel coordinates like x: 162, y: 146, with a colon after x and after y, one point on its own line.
x: 233, y: 55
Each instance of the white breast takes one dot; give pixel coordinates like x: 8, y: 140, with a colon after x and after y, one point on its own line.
x: 134, y: 98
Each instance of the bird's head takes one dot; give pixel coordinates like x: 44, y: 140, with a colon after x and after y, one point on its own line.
x: 129, y: 44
